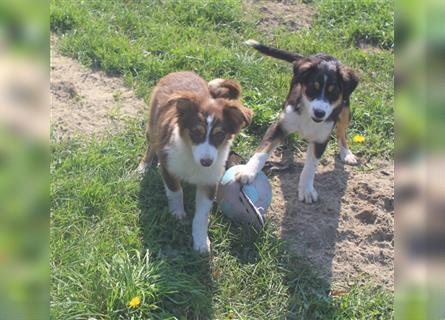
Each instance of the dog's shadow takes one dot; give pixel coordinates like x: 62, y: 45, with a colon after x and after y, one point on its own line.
x: 170, y: 242
x: 310, y: 230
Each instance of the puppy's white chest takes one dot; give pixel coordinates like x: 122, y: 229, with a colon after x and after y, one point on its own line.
x: 305, y: 126
x: 314, y: 132
x: 180, y: 163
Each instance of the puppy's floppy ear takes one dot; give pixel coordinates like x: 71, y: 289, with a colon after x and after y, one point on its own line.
x: 236, y: 116
x: 228, y: 89
x: 187, y: 105
x: 302, y: 67
x: 349, y: 80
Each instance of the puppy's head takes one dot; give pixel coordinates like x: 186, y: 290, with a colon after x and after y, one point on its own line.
x: 321, y: 86
x: 209, y: 125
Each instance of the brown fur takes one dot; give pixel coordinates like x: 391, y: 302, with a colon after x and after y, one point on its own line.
x: 275, y: 134
x: 211, y: 192
x: 183, y: 99
x: 342, y: 125
x: 228, y: 89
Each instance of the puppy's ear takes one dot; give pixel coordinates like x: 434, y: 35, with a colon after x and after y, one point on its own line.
x: 349, y: 80
x: 227, y: 89
x: 236, y: 117
x: 303, y: 67
x: 187, y: 105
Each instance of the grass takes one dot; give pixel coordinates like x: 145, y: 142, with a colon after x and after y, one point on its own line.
x: 143, y: 41
x: 111, y: 235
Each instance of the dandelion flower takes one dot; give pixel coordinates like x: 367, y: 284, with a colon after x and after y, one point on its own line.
x: 358, y: 138
x: 135, y: 302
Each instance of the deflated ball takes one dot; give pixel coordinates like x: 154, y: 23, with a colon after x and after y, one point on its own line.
x: 246, y: 205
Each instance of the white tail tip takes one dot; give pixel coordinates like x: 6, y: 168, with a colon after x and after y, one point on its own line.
x: 252, y: 42
x: 215, y: 83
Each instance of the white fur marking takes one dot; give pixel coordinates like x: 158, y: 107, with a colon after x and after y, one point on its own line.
x: 175, y: 202
x: 248, y: 172
x: 215, y: 83
x: 291, y: 121
x: 252, y: 42
x: 306, y: 191
x: 347, y: 156
x: 331, y: 65
x: 182, y: 164
x: 201, y: 242
x: 205, y: 150
x: 321, y: 105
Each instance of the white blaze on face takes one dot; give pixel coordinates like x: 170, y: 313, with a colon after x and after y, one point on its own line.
x: 205, y: 152
x: 321, y: 104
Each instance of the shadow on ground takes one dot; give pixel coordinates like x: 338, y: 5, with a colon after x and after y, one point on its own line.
x: 310, y: 230
x: 310, y: 235
x: 170, y: 241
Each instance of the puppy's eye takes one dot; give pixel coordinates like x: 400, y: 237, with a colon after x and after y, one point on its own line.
x: 219, y: 134
x: 331, y: 88
x: 197, y: 132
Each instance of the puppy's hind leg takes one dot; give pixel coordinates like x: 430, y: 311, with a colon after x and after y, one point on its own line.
x: 340, y: 130
x: 148, y: 160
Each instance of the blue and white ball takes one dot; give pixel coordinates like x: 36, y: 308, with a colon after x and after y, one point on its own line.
x: 246, y: 205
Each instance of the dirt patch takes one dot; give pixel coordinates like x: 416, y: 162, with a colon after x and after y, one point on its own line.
x: 291, y: 15
x: 87, y: 102
x: 350, y: 231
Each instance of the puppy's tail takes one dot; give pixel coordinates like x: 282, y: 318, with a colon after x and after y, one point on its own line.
x: 274, y: 52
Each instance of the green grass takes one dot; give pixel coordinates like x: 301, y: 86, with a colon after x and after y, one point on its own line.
x: 145, y: 40
x: 112, y: 238
x: 111, y: 235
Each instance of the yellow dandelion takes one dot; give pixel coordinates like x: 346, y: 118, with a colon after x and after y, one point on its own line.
x: 358, y: 138
x: 134, y: 302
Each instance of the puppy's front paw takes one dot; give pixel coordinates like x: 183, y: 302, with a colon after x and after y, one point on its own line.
x: 202, y: 246
x: 245, y: 175
x: 307, y: 194
x: 348, y: 157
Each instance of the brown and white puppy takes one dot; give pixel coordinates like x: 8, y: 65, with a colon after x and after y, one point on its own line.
x: 192, y: 125
x: 318, y: 101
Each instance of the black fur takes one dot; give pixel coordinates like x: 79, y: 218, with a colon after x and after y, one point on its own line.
x: 320, y: 148
x: 277, y: 53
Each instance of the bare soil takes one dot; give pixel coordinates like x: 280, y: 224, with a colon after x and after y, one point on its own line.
x: 88, y: 102
x: 347, y: 234
x: 290, y: 14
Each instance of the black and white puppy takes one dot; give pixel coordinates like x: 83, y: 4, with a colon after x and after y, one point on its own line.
x: 318, y: 101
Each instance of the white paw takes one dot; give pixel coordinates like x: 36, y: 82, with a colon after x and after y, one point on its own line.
x: 202, y: 246
x: 307, y: 194
x: 348, y: 157
x: 245, y: 175
x: 142, y: 168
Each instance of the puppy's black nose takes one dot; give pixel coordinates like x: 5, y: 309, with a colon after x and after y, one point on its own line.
x: 206, y: 162
x: 319, y: 113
